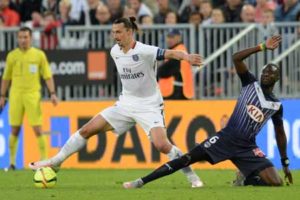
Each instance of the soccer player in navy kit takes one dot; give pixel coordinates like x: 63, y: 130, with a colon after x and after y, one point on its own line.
x: 236, y: 142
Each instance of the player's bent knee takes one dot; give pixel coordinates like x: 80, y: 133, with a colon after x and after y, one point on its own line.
x: 271, y: 177
x: 163, y: 147
x: 84, y: 132
x: 277, y: 182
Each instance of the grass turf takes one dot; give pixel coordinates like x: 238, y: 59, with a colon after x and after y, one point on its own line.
x: 76, y: 184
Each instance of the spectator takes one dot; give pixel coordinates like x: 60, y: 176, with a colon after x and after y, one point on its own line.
x: 232, y: 10
x: 103, y: 15
x: 287, y: 11
x: 248, y: 14
x: 27, y: 7
x: 11, y: 17
x: 1, y: 21
x: 36, y: 20
x: 129, y: 12
x: 261, y: 6
x: 146, y: 20
x: 217, y: 16
x: 175, y: 77
x: 298, y: 20
x: 195, y: 18
x: 148, y: 36
x: 267, y: 27
x: 192, y: 6
x: 212, y: 80
x: 163, y: 9
x: 115, y: 9
x: 218, y: 3
x: 205, y: 10
x: 74, y: 40
x: 171, y: 18
x: 14, y: 5
x: 49, y: 38
x: 79, y: 12
x: 268, y: 18
x: 92, y: 7
x: 64, y: 16
x: 140, y: 8
x: 52, y: 6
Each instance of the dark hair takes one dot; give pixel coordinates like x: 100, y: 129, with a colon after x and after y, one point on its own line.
x: 128, y: 23
x: 25, y: 29
x: 298, y: 16
x: 142, y: 17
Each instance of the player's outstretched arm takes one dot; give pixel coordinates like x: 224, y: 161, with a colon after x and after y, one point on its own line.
x: 193, y: 59
x: 271, y: 43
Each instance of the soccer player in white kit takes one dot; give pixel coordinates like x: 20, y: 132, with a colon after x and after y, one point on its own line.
x: 140, y: 101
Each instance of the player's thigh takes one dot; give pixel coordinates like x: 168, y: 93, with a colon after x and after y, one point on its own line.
x: 32, y: 104
x: 218, y: 147
x: 251, y: 160
x: 118, y: 118
x: 271, y: 176
x: 152, y: 122
x: 160, y: 140
x: 94, y: 126
x: 16, y: 109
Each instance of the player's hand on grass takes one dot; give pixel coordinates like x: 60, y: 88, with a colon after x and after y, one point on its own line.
x: 288, y: 178
x: 273, y: 42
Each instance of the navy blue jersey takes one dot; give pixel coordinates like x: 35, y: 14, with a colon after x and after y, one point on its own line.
x: 253, y: 109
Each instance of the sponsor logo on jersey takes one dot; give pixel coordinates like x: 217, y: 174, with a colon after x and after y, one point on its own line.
x: 132, y: 76
x: 255, y: 113
x: 135, y: 57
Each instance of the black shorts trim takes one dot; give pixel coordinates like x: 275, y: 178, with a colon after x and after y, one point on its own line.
x: 258, y: 170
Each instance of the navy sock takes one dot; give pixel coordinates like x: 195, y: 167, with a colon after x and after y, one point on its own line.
x: 195, y: 155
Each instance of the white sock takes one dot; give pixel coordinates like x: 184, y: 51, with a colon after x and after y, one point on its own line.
x: 174, y: 153
x: 74, y: 144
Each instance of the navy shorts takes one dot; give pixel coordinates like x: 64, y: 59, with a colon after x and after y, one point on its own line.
x: 245, y: 155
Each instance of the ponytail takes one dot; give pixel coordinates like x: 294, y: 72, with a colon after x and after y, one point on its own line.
x: 134, y: 25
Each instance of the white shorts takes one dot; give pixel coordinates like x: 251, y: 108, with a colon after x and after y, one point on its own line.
x: 122, y: 119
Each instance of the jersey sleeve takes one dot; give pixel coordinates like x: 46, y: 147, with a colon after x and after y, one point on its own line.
x: 277, y: 117
x: 7, y: 75
x: 152, y: 53
x: 45, y: 68
x: 247, y: 78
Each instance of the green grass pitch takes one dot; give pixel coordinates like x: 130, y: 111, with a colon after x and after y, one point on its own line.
x: 107, y: 184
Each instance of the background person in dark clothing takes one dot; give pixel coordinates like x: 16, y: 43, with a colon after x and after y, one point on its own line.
x: 175, y: 77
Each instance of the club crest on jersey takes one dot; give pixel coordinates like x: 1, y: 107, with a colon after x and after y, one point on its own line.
x: 135, y: 57
x: 258, y: 152
x: 255, y: 113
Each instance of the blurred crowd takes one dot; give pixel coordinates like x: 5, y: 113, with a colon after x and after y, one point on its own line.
x: 51, y: 14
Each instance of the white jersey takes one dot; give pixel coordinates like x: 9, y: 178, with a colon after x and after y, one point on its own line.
x: 137, y: 71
